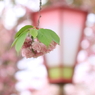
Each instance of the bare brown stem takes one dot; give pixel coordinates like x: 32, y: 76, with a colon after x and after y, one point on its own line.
x: 39, y: 13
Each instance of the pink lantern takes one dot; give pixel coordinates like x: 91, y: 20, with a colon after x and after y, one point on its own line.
x: 69, y: 24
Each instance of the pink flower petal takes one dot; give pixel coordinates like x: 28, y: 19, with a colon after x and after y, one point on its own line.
x: 26, y: 52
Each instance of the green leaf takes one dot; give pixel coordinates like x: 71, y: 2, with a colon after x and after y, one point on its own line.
x: 34, y: 32
x: 20, y: 41
x: 54, y: 36
x: 44, y: 37
x: 22, y: 30
x: 14, y: 42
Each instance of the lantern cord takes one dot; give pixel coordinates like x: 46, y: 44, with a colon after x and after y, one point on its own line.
x: 40, y: 5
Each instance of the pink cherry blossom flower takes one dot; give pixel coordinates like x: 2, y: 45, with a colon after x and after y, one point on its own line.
x: 52, y: 46
x: 38, y: 54
x: 35, y: 48
x: 39, y: 47
x: 44, y: 48
x: 27, y: 43
x: 27, y: 52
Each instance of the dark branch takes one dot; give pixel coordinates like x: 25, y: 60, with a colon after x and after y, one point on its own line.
x: 39, y: 13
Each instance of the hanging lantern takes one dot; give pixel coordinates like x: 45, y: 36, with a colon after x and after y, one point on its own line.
x: 69, y: 24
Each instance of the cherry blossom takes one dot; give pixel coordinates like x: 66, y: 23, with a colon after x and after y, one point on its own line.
x: 34, y: 48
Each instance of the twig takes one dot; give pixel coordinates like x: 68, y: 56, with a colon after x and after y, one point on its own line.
x: 39, y: 13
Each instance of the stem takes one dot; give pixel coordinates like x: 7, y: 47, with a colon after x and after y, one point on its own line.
x: 39, y: 13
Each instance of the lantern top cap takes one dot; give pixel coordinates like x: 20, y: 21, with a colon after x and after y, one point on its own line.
x: 62, y: 6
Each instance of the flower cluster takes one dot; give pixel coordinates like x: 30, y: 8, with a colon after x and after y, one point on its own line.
x: 34, y: 48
